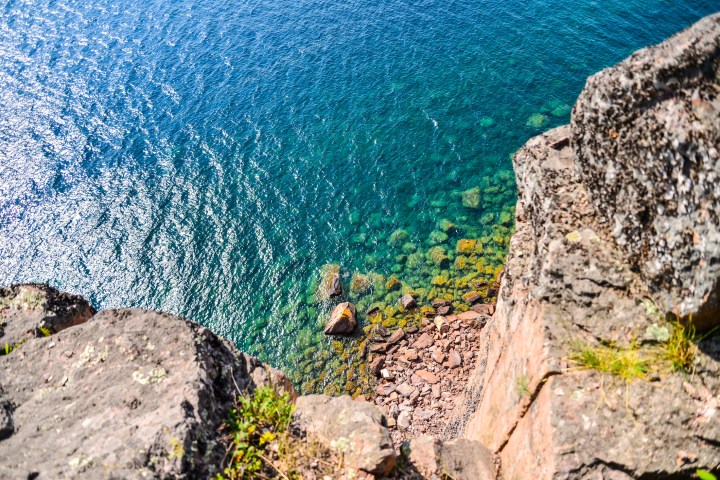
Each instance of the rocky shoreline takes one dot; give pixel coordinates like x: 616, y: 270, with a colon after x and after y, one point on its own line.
x: 588, y: 366
x: 423, y: 372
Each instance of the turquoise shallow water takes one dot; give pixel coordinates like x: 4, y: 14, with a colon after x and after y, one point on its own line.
x: 206, y: 157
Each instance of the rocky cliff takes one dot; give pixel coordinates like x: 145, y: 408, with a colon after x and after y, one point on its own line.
x: 600, y: 360
x: 617, y: 230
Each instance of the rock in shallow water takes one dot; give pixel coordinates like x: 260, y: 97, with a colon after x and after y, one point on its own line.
x: 342, y: 320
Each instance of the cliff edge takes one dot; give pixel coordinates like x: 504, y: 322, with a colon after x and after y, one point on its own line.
x: 596, y: 366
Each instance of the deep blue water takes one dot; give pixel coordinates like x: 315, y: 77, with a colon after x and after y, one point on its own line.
x: 206, y: 157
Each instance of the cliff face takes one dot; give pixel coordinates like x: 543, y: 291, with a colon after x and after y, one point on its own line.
x: 118, y: 394
x: 646, y: 135
x: 616, y: 224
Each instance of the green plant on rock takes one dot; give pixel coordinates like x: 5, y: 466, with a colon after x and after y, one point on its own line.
x: 626, y: 363
x: 680, y: 350
x: 705, y: 475
x: 522, y: 386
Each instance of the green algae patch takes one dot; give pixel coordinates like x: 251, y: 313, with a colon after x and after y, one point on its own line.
x: 471, y: 198
x: 536, y: 120
x: 398, y: 237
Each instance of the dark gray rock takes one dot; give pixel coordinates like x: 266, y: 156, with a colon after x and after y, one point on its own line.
x: 646, y: 135
x: 28, y: 308
x: 130, y: 394
x: 357, y: 429
x: 342, y: 320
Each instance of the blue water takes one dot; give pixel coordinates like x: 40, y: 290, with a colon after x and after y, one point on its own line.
x: 206, y: 157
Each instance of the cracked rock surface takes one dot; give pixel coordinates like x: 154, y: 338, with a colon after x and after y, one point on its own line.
x: 128, y: 394
x: 567, y: 283
x: 646, y: 135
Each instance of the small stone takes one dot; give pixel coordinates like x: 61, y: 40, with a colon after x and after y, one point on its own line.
x: 377, y: 364
x: 411, y: 355
x: 427, y: 376
x: 405, y: 389
x: 396, y: 336
x: 444, y: 310
x: 441, y: 324
x: 472, y: 298
x: 454, y: 359
x: 438, y: 356
x: 387, y: 374
x: 391, y: 422
x: 403, y: 420
x: 424, y: 341
x: 378, y: 347
x: 484, y: 309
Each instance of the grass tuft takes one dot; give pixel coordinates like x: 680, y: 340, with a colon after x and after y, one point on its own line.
x: 626, y: 363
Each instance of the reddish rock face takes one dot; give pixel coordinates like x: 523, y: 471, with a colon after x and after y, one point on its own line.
x: 567, y: 283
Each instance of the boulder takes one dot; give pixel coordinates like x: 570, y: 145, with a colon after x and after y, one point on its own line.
x: 646, y: 135
x: 407, y: 301
x: 460, y: 459
x: 129, y: 394
x: 358, y: 430
x: 35, y: 310
x: 342, y: 320
x: 330, y: 285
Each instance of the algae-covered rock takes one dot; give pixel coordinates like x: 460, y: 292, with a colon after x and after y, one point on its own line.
x: 398, y: 238
x: 465, y: 246
x: 414, y: 260
x: 409, y: 247
x: 437, y: 237
x: 446, y: 225
x: 329, y: 285
x: 471, y: 198
x: 392, y: 284
x: 360, y: 283
x: 536, y: 120
x: 438, y: 255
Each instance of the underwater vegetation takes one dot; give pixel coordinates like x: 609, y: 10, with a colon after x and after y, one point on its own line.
x: 458, y: 258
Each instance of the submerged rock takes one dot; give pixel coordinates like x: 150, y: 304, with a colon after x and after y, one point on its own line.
x: 330, y: 285
x: 471, y: 198
x: 536, y: 120
x: 342, y: 320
